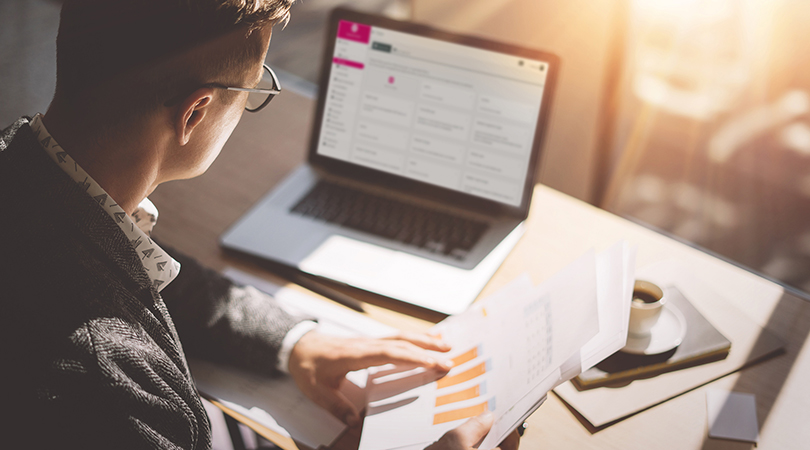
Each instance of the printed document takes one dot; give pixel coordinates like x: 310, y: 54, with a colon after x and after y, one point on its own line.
x: 509, y: 350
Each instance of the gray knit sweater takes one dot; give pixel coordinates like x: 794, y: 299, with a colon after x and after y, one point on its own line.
x: 90, y: 354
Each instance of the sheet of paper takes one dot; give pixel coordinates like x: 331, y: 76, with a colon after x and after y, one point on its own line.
x: 732, y: 415
x: 614, y: 277
x: 277, y: 403
x: 407, y: 411
x: 614, y: 286
x: 509, y: 350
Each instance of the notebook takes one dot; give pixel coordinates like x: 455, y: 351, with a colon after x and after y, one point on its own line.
x: 421, y: 163
x: 703, y: 344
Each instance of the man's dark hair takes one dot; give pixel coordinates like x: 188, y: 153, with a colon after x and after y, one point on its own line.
x: 102, y: 40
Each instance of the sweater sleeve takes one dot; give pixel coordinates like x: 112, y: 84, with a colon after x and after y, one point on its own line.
x: 220, y: 321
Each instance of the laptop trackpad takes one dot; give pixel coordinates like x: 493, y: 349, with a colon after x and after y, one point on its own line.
x: 391, y: 273
x: 348, y: 257
x: 404, y: 276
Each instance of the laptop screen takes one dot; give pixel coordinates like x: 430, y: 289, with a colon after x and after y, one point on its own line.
x: 453, y: 116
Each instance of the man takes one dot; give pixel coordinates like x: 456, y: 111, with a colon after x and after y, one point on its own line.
x: 94, y: 311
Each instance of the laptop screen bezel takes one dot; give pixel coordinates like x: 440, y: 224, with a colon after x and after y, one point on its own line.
x: 419, y: 188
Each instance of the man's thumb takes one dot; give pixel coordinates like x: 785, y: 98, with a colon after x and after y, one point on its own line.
x: 475, y: 429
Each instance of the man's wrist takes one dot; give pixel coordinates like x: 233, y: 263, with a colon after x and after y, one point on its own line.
x: 290, y: 339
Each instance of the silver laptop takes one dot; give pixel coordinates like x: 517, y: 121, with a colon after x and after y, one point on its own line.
x: 422, y: 161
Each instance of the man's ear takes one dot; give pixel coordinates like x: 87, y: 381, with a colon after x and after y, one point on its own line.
x: 191, y: 112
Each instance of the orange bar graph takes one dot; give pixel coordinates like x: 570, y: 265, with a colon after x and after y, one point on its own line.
x: 466, y: 356
x: 476, y: 371
x: 458, y: 414
x: 459, y: 396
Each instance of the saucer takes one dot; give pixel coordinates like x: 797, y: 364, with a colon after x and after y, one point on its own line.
x: 667, y: 334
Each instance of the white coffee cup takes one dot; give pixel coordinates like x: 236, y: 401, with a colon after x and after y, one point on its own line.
x: 645, y: 309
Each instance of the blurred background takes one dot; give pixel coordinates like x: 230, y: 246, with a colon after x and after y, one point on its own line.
x: 689, y: 116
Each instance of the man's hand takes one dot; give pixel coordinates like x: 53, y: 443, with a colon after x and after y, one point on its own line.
x: 470, y: 433
x: 319, y: 363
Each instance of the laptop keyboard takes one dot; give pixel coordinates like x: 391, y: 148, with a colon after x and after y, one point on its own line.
x: 426, y: 228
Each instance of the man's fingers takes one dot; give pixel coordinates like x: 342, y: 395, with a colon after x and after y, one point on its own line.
x: 319, y: 363
x: 342, y: 355
x: 466, y: 436
x: 377, y: 353
x: 422, y: 340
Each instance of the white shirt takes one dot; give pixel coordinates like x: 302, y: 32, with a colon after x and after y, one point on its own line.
x: 160, y: 267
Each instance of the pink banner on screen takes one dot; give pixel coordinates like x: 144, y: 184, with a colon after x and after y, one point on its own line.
x: 354, y: 31
x: 346, y: 62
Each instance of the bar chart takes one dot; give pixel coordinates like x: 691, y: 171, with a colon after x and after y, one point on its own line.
x: 463, y: 392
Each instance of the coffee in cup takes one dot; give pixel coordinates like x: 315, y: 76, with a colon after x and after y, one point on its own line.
x: 647, y: 303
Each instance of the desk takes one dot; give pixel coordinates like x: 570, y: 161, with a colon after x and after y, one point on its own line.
x: 267, y: 145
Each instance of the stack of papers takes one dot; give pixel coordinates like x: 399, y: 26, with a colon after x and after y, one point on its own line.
x: 509, y: 350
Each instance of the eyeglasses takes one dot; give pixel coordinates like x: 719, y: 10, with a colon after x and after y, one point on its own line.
x: 261, y: 95
x: 258, y: 97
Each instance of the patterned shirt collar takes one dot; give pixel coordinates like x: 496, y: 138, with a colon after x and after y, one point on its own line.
x: 160, y: 267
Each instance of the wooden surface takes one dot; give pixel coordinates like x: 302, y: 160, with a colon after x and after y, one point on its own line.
x: 267, y: 145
